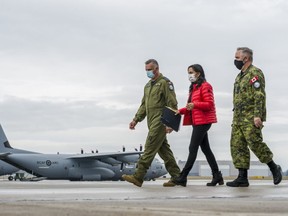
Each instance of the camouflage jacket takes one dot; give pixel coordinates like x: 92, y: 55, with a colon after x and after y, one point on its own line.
x: 249, y: 98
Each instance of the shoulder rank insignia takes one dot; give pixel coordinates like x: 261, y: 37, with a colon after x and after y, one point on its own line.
x: 170, y: 84
x: 171, y: 87
x: 254, y: 81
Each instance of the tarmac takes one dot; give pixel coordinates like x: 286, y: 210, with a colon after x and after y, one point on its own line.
x: 119, y: 198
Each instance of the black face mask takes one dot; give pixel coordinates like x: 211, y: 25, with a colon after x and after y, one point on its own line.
x: 238, y: 64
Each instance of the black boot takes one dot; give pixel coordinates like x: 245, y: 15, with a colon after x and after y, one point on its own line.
x: 180, y: 180
x: 241, y: 180
x: 276, y: 172
x: 217, y: 179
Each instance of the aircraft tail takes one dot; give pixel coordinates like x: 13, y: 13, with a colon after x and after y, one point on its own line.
x: 4, y: 143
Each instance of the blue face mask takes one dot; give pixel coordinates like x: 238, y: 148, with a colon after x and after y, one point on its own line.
x: 150, y: 74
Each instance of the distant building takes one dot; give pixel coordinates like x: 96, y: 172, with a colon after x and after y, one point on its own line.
x: 201, y: 168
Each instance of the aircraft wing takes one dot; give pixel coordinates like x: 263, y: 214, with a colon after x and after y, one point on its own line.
x: 112, y: 158
x: 4, y: 155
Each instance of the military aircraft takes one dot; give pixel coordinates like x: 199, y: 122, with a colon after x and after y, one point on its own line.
x: 75, y: 167
x: 7, y: 169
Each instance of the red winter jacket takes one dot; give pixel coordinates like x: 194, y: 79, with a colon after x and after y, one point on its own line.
x: 204, y: 111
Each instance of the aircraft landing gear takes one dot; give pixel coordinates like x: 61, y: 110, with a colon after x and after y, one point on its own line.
x: 16, y: 176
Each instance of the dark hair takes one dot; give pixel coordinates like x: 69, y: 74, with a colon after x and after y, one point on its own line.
x: 153, y: 61
x: 198, y: 68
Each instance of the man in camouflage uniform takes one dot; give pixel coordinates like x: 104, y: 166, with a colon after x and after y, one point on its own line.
x: 158, y: 93
x: 249, y: 102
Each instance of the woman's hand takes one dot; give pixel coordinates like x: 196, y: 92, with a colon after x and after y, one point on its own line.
x: 190, y: 106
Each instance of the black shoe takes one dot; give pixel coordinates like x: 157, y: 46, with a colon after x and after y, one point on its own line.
x: 217, y: 179
x: 180, y: 181
x: 277, y: 175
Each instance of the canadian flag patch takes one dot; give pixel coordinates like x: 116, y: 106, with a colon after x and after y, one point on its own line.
x: 253, y: 80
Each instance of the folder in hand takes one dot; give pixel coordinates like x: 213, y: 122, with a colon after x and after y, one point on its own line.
x: 169, y: 118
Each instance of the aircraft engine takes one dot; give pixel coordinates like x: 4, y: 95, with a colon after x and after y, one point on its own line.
x: 93, y: 174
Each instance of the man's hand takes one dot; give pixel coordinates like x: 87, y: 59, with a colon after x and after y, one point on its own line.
x: 257, y: 122
x: 132, y: 125
x: 169, y: 130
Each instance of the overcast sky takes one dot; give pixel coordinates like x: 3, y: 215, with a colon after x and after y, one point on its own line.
x: 72, y: 71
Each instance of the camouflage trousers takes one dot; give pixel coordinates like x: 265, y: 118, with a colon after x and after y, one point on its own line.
x: 243, y: 138
x: 156, y: 142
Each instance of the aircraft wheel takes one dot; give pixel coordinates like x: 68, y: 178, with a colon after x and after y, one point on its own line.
x: 10, y: 178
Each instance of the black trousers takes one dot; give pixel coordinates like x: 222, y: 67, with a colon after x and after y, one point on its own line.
x: 200, y: 138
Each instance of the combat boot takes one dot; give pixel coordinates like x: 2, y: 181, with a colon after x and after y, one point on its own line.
x: 180, y: 180
x: 132, y: 179
x: 277, y: 174
x: 217, y: 179
x: 170, y: 183
x: 241, y: 180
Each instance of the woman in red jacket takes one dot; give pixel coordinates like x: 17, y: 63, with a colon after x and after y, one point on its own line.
x: 199, y: 112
